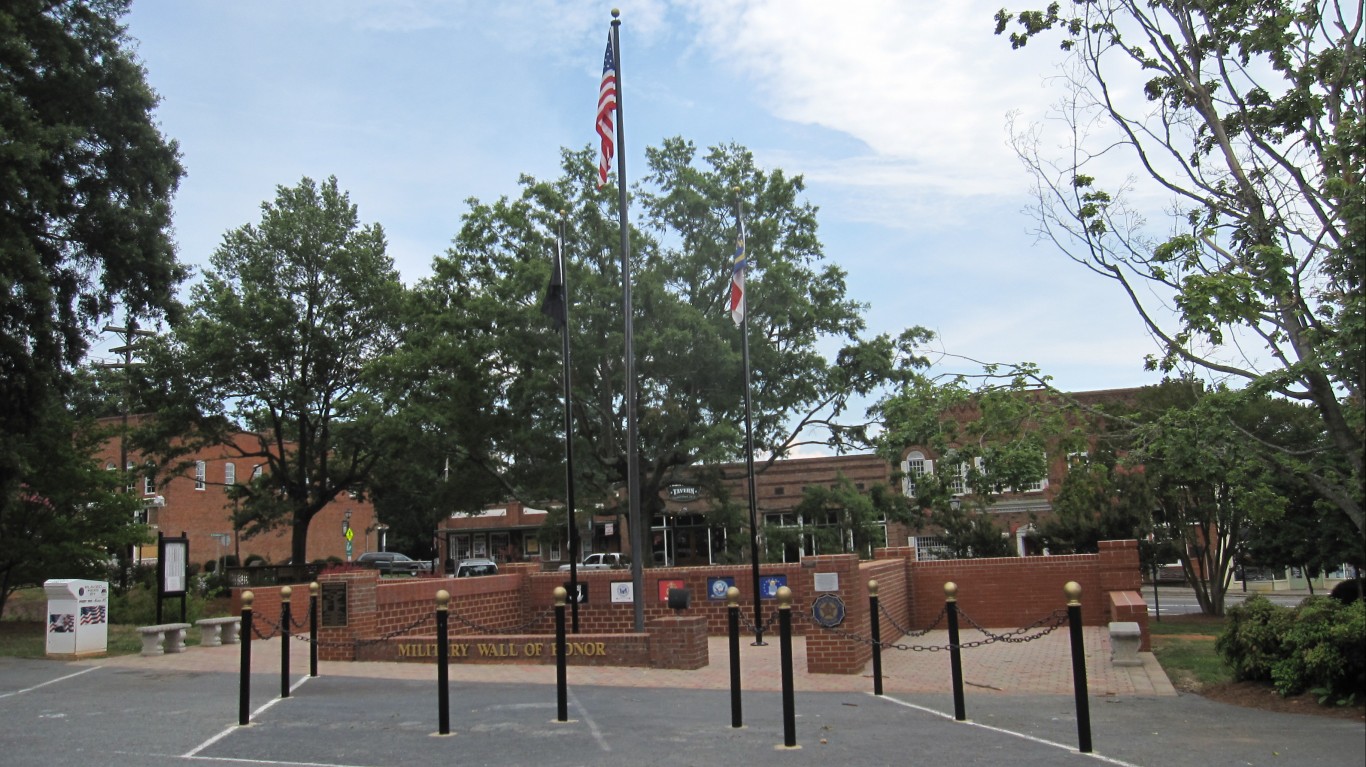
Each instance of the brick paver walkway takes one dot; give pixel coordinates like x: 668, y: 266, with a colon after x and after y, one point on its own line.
x: 1039, y: 667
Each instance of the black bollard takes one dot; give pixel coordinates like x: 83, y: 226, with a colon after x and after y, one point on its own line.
x: 785, y: 635
x: 443, y: 689
x: 244, y: 681
x: 1073, y: 592
x: 561, y: 684
x: 733, y: 627
x: 955, y: 651
x: 313, y: 589
x: 877, y: 637
x: 285, y: 591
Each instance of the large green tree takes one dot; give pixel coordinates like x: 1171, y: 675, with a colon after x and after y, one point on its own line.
x: 809, y: 355
x: 977, y: 439
x: 282, y: 340
x: 86, y: 181
x: 1210, y: 483
x: 1252, y: 139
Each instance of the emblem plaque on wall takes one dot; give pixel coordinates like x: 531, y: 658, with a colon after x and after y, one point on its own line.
x: 828, y: 611
x: 332, y: 605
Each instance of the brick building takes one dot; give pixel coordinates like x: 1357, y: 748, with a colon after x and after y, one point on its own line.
x: 197, y: 503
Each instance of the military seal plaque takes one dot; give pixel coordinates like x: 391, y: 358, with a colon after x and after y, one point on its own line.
x: 828, y: 611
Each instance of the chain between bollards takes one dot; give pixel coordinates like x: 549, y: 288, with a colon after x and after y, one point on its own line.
x: 955, y: 650
x: 244, y: 680
x: 313, y: 589
x: 733, y: 632
x: 1073, y: 592
x: 785, y: 642
x: 443, y: 688
x: 561, y: 683
x: 877, y: 636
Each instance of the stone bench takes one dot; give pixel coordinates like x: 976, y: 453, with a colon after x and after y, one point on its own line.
x: 168, y: 637
x: 218, y: 631
x: 1125, y: 638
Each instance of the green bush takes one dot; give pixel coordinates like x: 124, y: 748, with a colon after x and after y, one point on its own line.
x: 1315, y: 646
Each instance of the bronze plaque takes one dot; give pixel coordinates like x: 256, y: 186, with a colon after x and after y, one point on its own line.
x: 332, y: 604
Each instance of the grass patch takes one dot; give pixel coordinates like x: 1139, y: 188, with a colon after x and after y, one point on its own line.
x: 28, y: 639
x: 1184, y: 645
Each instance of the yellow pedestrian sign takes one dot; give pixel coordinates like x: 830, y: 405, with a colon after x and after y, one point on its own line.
x: 350, y: 534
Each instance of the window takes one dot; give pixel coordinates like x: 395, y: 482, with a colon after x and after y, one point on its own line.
x: 132, y: 486
x: 778, y: 490
x: 256, y: 471
x: 199, y: 472
x: 229, y: 473
x: 959, y: 481
x: 149, y: 485
x: 914, y: 466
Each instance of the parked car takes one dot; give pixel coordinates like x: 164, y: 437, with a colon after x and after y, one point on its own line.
x: 393, y: 563
x: 605, y: 560
x: 469, y: 568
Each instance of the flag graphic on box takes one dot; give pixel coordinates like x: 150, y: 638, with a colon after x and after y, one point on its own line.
x: 607, y: 104
x: 61, y: 623
x: 737, y: 282
x: 93, y: 616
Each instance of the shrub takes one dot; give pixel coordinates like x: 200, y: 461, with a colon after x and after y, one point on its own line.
x: 1315, y: 647
x: 1251, y: 642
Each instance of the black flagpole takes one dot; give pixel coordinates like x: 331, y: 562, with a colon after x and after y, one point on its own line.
x: 749, y: 433
x: 632, y: 436
x: 568, y: 429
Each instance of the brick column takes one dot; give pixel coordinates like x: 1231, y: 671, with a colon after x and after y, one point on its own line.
x: 339, y: 642
x: 678, y: 642
x: 826, y: 651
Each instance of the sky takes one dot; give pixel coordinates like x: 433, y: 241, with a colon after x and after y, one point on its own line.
x: 894, y: 111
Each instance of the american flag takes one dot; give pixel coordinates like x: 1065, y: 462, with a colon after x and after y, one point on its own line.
x: 737, y: 282
x: 607, y: 104
x: 92, y: 616
x: 61, y: 623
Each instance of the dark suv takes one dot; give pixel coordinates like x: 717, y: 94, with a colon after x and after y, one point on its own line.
x: 393, y: 563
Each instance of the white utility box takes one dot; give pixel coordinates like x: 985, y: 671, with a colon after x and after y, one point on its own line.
x: 77, y: 617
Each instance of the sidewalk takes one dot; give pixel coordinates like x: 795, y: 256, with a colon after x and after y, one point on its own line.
x: 1039, y: 667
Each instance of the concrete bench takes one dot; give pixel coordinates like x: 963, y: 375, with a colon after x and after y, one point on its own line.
x: 218, y: 631
x: 1125, y: 638
x: 168, y: 637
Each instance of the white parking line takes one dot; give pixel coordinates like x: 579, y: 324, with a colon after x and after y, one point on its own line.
x: 48, y: 682
x: 194, y: 752
x: 1020, y: 735
x: 592, y: 726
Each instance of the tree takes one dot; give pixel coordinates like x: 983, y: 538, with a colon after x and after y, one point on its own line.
x: 984, y: 439
x: 486, y: 293
x: 841, y: 519
x: 67, y: 518
x: 282, y: 340
x: 1209, y: 483
x: 1100, y: 500
x: 85, y: 202
x: 1253, y: 130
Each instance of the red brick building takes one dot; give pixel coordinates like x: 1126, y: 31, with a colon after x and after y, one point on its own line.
x: 197, y: 503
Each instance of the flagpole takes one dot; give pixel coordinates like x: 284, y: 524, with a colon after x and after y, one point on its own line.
x: 568, y: 429
x: 632, y: 437
x: 749, y: 441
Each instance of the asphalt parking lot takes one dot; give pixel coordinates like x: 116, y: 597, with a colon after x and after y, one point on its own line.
x: 92, y: 714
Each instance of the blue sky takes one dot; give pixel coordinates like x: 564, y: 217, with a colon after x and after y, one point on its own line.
x: 894, y: 112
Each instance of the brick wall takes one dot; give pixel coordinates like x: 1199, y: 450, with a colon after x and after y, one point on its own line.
x: 385, y: 615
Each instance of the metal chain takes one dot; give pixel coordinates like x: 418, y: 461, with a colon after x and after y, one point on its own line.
x: 907, y: 632
x: 1018, y: 636
x: 768, y: 624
